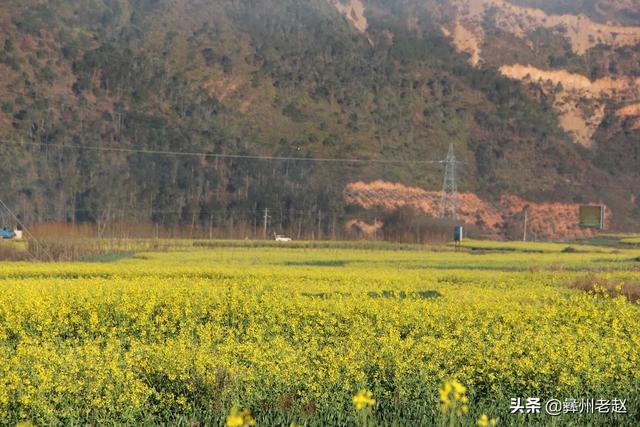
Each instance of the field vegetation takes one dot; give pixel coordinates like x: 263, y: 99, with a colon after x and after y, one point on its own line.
x: 317, y: 335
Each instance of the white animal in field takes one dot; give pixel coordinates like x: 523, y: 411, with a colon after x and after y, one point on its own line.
x: 280, y: 238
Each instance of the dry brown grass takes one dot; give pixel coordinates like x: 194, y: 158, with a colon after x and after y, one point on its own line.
x: 116, y: 231
x: 147, y: 231
x: 65, y: 249
x: 69, y: 248
x: 628, y: 288
x: 10, y: 252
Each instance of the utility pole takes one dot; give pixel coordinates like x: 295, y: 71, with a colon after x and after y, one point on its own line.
x: 333, y: 227
x: 449, y: 203
x: 266, y: 221
x: 526, y: 217
x: 375, y: 229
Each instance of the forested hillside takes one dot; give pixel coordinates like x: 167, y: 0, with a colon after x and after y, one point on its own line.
x: 381, y: 79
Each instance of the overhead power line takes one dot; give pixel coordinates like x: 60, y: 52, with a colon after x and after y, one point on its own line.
x: 224, y: 155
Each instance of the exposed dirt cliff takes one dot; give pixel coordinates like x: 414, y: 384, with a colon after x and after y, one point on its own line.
x: 581, y: 102
x: 581, y: 32
x: 353, y: 10
x: 549, y: 220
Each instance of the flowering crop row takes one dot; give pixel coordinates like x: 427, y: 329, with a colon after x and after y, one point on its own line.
x: 139, y: 341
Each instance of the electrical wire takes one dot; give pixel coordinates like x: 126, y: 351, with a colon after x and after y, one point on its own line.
x: 224, y: 155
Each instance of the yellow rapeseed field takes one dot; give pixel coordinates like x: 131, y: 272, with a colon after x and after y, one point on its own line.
x: 274, y: 336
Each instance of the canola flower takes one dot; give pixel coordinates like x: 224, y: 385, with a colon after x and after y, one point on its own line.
x: 240, y: 418
x: 485, y: 421
x: 192, y: 332
x: 453, y: 398
x: 363, y: 399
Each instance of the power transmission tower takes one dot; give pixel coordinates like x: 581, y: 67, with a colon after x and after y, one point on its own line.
x: 449, y: 202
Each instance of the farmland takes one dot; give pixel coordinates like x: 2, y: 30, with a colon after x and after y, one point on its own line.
x: 199, y: 330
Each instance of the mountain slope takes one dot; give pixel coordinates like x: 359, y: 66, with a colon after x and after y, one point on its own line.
x: 348, y: 79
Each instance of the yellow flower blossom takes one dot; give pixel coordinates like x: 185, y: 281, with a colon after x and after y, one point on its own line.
x: 240, y: 418
x: 453, y: 397
x: 363, y: 399
x: 485, y: 421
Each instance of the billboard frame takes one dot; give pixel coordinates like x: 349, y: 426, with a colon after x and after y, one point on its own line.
x: 586, y: 214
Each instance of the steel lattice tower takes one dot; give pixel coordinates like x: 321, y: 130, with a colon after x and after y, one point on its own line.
x: 449, y: 202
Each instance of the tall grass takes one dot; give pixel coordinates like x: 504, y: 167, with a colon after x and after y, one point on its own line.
x: 11, y: 252
x: 61, y: 249
x: 122, y: 231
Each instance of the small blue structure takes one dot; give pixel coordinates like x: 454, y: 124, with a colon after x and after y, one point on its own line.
x: 7, y: 233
